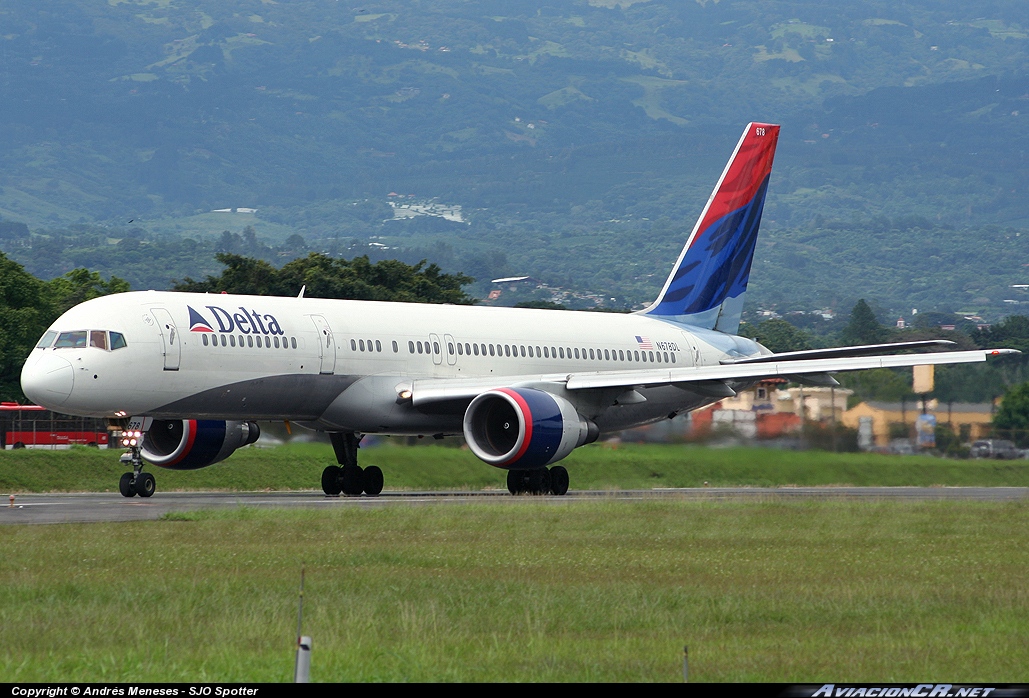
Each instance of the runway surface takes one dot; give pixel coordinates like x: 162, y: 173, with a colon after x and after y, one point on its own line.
x: 98, y: 507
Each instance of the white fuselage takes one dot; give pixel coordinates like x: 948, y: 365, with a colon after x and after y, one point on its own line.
x: 339, y: 365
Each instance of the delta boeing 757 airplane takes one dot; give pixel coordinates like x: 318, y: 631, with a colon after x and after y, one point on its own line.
x: 191, y: 374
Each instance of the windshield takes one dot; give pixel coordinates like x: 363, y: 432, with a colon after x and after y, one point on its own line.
x: 46, y: 340
x: 71, y: 340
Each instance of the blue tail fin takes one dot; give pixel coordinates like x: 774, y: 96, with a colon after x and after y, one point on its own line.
x: 708, y: 282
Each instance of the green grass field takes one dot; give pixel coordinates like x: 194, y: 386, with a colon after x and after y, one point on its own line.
x: 299, y: 466
x: 794, y: 591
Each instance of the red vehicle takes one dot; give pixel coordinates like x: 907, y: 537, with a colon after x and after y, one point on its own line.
x: 32, y: 426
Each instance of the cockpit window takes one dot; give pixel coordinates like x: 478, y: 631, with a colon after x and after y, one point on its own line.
x: 46, y: 340
x: 98, y: 339
x: 117, y: 340
x: 72, y: 340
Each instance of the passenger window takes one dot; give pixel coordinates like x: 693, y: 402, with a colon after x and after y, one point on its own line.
x: 353, y: 345
x: 491, y: 350
x: 250, y: 341
x: 530, y: 351
x: 419, y: 347
x: 276, y: 342
x: 293, y: 342
x: 621, y: 356
x: 46, y: 340
x: 577, y: 352
x: 522, y: 350
x: 71, y: 340
x: 467, y: 349
x: 636, y: 355
x: 450, y: 348
x: 378, y: 345
x: 651, y: 356
x: 607, y: 356
x: 507, y: 350
x: 435, y: 347
x: 546, y: 353
x: 360, y: 343
x: 460, y: 349
x: 203, y: 338
x: 673, y: 357
x: 476, y: 348
x: 232, y: 340
x: 592, y: 356
x: 396, y: 348
x: 410, y: 346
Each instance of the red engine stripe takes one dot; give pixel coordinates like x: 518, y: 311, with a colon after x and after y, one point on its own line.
x: 526, y: 418
x: 192, y: 427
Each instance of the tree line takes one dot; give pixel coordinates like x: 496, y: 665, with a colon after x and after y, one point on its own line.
x: 29, y: 305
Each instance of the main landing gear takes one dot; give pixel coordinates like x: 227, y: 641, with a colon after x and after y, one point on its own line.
x: 348, y: 477
x: 136, y: 482
x: 540, y: 481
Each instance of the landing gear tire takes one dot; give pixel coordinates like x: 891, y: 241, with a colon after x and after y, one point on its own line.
x: 558, y: 480
x: 145, y: 485
x: 331, y: 481
x: 373, y: 480
x: 539, y: 481
x: 125, y: 486
x: 352, y: 479
x: 515, y: 481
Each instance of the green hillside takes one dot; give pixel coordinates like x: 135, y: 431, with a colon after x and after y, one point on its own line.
x: 563, y: 130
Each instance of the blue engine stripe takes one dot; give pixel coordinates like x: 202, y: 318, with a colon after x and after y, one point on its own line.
x: 208, y: 442
x: 547, y: 429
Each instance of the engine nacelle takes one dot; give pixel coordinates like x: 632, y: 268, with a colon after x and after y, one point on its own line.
x: 189, y: 444
x: 524, y: 428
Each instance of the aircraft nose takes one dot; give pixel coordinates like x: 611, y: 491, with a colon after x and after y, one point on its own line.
x: 48, y: 381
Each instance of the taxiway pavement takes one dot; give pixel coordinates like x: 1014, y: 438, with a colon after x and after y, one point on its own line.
x: 112, y: 507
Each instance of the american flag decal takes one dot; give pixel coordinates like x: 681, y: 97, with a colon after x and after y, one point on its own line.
x: 644, y: 342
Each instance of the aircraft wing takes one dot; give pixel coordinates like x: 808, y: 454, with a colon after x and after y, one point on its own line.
x: 834, y: 352
x: 770, y: 368
x: 425, y: 392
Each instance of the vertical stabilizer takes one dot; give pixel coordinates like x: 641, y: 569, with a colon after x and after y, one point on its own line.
x: 708, y: 282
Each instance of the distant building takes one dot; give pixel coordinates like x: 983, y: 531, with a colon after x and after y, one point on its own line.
x: 968, y: 420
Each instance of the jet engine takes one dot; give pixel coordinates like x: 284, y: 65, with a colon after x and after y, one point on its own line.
x: 524, y: 428
x: 189, y: 444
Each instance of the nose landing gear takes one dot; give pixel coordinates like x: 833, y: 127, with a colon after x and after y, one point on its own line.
x: 136, y: 482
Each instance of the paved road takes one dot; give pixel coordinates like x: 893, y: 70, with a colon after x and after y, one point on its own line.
x: 68, y: 508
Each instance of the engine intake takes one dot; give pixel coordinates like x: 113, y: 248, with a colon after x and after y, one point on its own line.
x: 189, y: 444
x: 524, y: 428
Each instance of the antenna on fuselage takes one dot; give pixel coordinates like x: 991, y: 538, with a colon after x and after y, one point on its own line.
x: 302, y: 289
